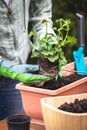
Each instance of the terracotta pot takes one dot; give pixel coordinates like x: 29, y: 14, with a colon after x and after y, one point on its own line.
x: 31, y: 96
x: 56, y: 119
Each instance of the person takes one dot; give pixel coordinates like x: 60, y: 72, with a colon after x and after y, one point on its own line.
x: 16, y: 16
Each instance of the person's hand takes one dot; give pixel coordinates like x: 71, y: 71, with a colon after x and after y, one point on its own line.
x: 21, y: 68
x: 23, y: 72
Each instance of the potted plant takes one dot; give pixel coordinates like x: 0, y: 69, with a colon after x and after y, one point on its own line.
x: 49, y: 49
x: 51, y: 52
x: 55, y: 118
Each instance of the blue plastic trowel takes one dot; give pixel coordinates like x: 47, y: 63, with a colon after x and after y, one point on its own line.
x: 79, y: 55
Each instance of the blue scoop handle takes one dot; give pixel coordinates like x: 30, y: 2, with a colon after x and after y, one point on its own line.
x: 80, y: 20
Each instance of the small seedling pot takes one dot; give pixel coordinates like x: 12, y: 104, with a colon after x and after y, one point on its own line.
x: 19, y: 122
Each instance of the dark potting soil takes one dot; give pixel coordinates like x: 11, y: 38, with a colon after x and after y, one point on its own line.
x: 55, y: 84
x: 78, y: 106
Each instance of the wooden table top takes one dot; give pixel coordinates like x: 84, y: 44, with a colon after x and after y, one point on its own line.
x: 3, y: 126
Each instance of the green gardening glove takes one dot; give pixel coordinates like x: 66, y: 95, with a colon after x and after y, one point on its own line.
x: 23, y: 77
x: 21, y: 68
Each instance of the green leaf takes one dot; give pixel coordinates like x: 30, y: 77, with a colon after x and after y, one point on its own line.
x: 56, y: 77
x: 53, y: 58
x: 71, y: 40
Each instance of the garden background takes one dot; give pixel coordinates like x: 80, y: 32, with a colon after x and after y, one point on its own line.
x: 67, y: 9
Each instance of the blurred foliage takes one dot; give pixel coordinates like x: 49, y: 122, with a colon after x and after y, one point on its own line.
x: 67, y: 9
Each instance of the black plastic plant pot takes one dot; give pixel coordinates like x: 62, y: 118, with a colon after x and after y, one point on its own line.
x: 19, y: 122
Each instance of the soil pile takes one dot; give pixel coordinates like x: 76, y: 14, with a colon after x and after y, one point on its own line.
x: 78, y: 106
x: 55, y: 84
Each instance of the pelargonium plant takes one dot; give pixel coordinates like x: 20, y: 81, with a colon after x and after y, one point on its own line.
x: 51, y: 46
